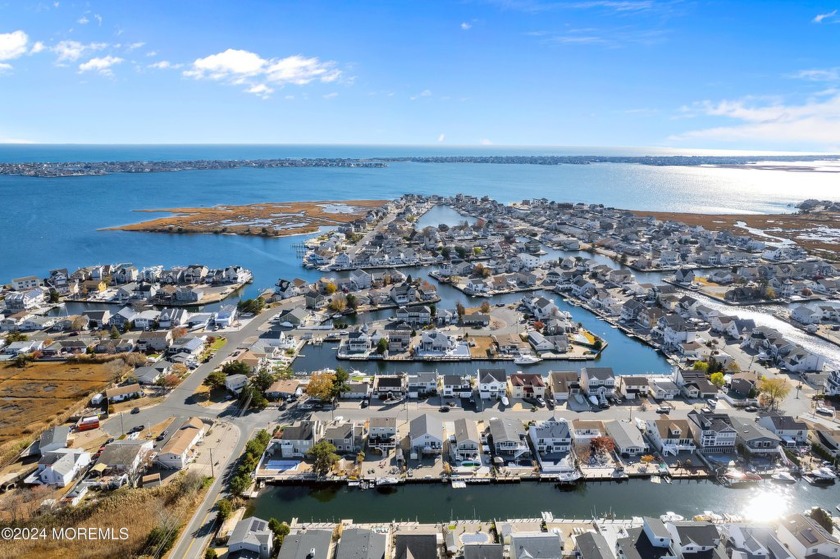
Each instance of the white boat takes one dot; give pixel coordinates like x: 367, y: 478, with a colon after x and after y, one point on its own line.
x: 526, y: 359
x: 824, y: 473
x: 671, y: 517
x: 783, y: 477
x: 505, y: 401
x: 388, y: 481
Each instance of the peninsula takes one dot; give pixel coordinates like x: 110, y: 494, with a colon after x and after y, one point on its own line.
x: 270, y: 219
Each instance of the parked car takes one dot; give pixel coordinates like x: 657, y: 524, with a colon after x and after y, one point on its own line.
x: 161, y: 436
x: 712, y: 402
x: 751, y: 408
x: 135, y: 410
x: 138, y: 429
x: 663, y: 409
x: 364, y: 404
x: 444, y: 408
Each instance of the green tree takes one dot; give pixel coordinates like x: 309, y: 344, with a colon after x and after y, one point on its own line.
x: 115, y: 334
x: 701, y: 366
x: 340, y: 382
x: 236, y: 368
x: 215, y: 380
x: 54, y: 296
x: 16, y: 336
x: 433, y: 310
x: 324, y: 456
x: 352, y: 302
x: 224, y: 508
x: 822, y: 518
x: 381, y: 346
x: 598, y: 344
x: 211, y: 554
x: 485, y: 307
x: 461, y: 252
x: 262, y: 380
x: 446, y: 252
x: 717, y: 379
x: 280, y: 529
x: 459, y: 308
x: 253, y: 306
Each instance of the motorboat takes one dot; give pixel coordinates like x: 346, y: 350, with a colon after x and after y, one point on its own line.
x: 526, y: 359
x: 505, y: 401
x: 733, y: 477
x: 783, y: 477
x: 671, y: 516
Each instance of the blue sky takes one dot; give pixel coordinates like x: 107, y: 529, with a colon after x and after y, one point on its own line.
x: 722, y: 74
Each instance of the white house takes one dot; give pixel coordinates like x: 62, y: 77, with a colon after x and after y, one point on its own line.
x: 235, y: 383
x: 426, y: 434
x: 59, y: 467
x: 597, y: 381
x: 806, y: 315
x: 803, y: 537
x: 466, y: 445
x: 492, y: 383
x: 628, y: 439
x: 177, y: 452
x: 252, y: 535
x: 670, y: 435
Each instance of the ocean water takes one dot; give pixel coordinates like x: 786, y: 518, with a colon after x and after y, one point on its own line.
x: 51, y: 223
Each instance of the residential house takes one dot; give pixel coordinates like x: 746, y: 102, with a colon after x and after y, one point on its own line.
x: 466, y: 445
x: 563, y: 384
x: 670, y: 436
x: 382, y: 433
x: 235, y: 383
x: 526, y: 385
x: 598, y: 381
x: 712, y: 432
x: 551, y: 436
x: 663, y: 389
x: 59, y: 467
x: 537, y: 545
x: 156, y: 341
x: 177, y: 452
x: 357, y: 390
x: 426, y: 434
x: 631, y: 387
x: 492, y: 383
x: 627, y: 437
x: 97, y: 319
x: 297, y: 439
x: 225, y: 316
x: 590, y: 545
x: 347, y: 437
x: 127, y: 457
x: 403, y: 294
x: 694, y: 384
x: 509, y: 439
x: 253, y: 538
x: 390, y: 387
x: 283, y: 389
x: 362, y: 543
x: 694, y: 539
x: 120, y: 393
x: 789, y: 429
x: 804, y: 537
x: 456, y: 386
x: 422, y: 384
x: 584, y: 430
x: 435, y: 341
x: 754, y: 440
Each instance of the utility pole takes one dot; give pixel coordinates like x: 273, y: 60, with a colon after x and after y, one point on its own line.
x: 122, y: 427
x: 212, y: 469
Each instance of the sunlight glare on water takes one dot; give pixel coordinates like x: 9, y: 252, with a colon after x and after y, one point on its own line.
x: 767, y: 504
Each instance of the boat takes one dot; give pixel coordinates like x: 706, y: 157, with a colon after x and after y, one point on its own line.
x: 387, y: 481
x: 783, y: 477
x: 505, y: 401
x: 526, y: 359
x: 733, y: 477
x: 671, y: 516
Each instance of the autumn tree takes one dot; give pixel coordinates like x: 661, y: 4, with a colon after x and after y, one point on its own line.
x: 79, y: 323
x: 179, y: 332
x: 170, y: 381
x: 485, y: 307
x: 717, y: 379
x: 602, y: 444
x: 775, y: 389
x: 320, y: 386
x: 338, y: 303
x: 330, y: 288
x: 459, y: 308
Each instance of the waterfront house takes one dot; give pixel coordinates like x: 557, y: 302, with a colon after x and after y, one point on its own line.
x: 284, y: 389
x: 651, y: 541
x: 670, y: 436
x: 121, y: 393
x: 590, y: 545
x: 584, y: 430
x: 297, y: 439
x: 628, y: 439
x: 434, y: 341
x: 526, y: 385
x: 712, y: 432
x: 146, y: 320
x: 399, y: 336
x: 173, y: 317
x: 416, y: 543
x: 97, y: 319
x: 285, y: 289
x: 358, y: 341
x: 695, y: 384
x: 539, y: 342
x: 632, y: 386
x: 225, y: 316
x: 382, y: 433
x: 754, y: 440
x: 598, y: 381
x: 541, y: 308
x: 509, y: 439
x: 663, y: 389
x: 537, y: 545
x: 390, y: 387
x: 415, y: 316
x: 362, y: 543
x: 805, y: 538
x: 475, y: 320
x: 357, y: 390
x: 551, y: 436
x: 456, y: 386
x: 422, y: 384
x: 466, y: 445
x: 695, y: 539
x: 59, y: 467
x: 123, y: 318
x: 403, y: 294
x: 426, y: 434
x: 492, y: 383
x: 177, y: 451
x: 346, y: 437
x: 26, y: 282
x: 24, y: 300
x: 789, y: 429
x: 484, y: 551
x: 126, y: 457
x: 563, y: 384
x: 252, y: 538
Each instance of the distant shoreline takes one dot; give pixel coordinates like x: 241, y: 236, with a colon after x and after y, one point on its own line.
x: 101, y: 168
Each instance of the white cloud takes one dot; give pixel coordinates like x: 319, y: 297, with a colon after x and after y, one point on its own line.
x: 134, y: 46
x: 424, y: 93
x: 37, y: 47
x: 441, y: 138
x: 4, y: 67
x: 70, y: 51
x: 332, y: 95
x: 83, y: 20
x: 164, y: 65
x: 152, y: 53
x: 466, y: 26
x: 819, y: 18
x: 485, y: 142
x: 244, y: 67
x: 98, y: 19
x: 819, y: 75
x: 102, y: 65
x: 261, y: 90
x: 815, y: 122
x: 13, y: 45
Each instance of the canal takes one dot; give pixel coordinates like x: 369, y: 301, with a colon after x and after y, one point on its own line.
x: 438, y: 502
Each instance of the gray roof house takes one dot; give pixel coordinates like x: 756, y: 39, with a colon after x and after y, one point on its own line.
x: 592, y: 545
x: 628, y: 439
x: 309, y: 544
x: 360, y: 543
x: 53, y: 438
x: 536, y: 545
x: 509, y: 438
x: 250, y: 536
x: 426, y: 434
